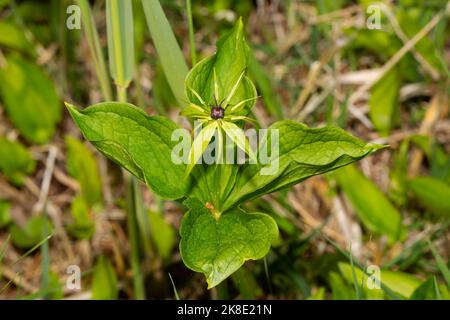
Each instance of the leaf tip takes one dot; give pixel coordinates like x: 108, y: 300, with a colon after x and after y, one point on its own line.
x: 374, y: 147
x: 239, y: 28
x: 71, y: 108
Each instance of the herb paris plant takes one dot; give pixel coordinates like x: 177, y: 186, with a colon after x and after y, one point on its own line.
x: 217, y: 236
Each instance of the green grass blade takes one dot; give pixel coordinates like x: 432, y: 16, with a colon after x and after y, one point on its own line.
x: 392, y: 295
x: 169, y: 52
x: 95, y: 48
x: 45, y: 261
x: 441, y: 264
x: 355, y: 281
x: 191, y: 32
x: 242, y: 279
x: 3, y: 248
x: 437, y: 292
x: 177, y: 297
x: 37, y: 246
x: 119, y: 25
x: 266, y: 272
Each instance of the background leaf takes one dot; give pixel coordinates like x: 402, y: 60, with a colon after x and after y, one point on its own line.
x: 371, y: 205
x: 13, y: 37
x: 30, y: 99
x: 82, y: 165
x: 432, y: 193
x: 399, y: 282
x: 104, y: 282
x: 428, y: 291
x: 83, y: 226
x: 32, y: 233
x: 5, y: 215
x: 15, y: 161
x: 384, y: 103
x: 163, y: 234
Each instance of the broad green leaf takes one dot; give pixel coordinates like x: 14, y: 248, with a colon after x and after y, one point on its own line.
x: 399, y: 282
x: 81, y: 165
x: 30, y: 99
x: 5, y: 214
x: 218, y: 247
x: 83, y: 225
x: 384, y: 102
x: 119, y: 22
x: 163, y: 234
x: 34, y: 231
x: 371, y: 205
x: 169, y: 51
x: 104, y: 282
x: 432, y: 193
x: 139, y: 143
x: 13, y: 37
x: 221, y: 72
x: 15, y: 161
x: 303, y: 152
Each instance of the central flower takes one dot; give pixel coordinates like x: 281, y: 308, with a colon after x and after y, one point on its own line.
x: 217, y: 112
x: 216, y: 120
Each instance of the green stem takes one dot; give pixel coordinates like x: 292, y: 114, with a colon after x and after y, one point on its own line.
x: 133, y: 205
x: 121, y: 94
